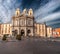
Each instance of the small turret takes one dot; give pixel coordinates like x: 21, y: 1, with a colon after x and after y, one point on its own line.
x: 30, y: 12
x: 17, y: 12
x: 24, y: 11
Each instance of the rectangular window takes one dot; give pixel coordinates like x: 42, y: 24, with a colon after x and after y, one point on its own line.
x: 5, y: 28
x: 9, y: 28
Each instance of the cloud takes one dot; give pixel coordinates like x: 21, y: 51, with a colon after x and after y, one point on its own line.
x: 44, y: 10
x: 47, y: 9
x: 54, y: 22
x: 50, y: 17
x: 7, y: 9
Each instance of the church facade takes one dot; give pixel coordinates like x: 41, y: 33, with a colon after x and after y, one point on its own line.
x: 23, y: 23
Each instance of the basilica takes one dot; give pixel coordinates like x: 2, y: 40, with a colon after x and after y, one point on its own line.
x: 24, y: 23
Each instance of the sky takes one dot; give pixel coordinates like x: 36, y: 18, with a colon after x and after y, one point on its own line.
x: 44, y: 10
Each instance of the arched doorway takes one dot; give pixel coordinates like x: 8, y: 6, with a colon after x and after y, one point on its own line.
x: 22, y: 32
x: 14, y: 32
x: 28, y: 32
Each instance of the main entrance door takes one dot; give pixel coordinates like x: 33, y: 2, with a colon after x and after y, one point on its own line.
x: 22, y: 32
x: 28, y: 32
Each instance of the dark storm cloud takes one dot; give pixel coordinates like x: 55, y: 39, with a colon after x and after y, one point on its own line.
x: 57, y: 10
x: 44, y: 10
x: 34, y: 4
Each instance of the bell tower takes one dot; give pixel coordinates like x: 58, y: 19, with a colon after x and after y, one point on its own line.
x: 17, y: 12
x: 15, y: 22
x: 30, y: 23
x: 30, y: 12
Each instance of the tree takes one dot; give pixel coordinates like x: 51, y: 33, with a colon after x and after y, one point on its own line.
x: 18, y: 37
x: 4, y: 37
